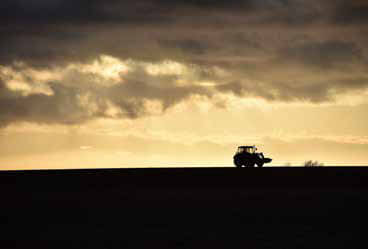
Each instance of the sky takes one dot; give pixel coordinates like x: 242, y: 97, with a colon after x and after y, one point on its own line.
x: 174, y: 83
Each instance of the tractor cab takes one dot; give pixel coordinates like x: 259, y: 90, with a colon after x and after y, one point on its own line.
x: 246, y: 149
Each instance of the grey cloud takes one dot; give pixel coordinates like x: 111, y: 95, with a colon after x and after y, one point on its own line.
x: 62, y: 107
x: 66, y: 105
x: 324, y: 55
x: 169, y: 96
x: 351, y: 13
x: 82, y: 11
x: 60, y: 31
x: 115, y: 10
x: 315, y: 92
x: 191, y: 46
x: 139, y: 85
x: 242, y: 89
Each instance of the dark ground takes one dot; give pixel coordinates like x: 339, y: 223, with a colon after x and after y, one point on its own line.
x: 185, y: 208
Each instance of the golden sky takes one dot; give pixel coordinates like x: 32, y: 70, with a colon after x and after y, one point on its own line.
x: 158, y: 83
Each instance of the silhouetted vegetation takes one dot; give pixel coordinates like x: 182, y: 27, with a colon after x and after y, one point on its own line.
x: 311, y: 163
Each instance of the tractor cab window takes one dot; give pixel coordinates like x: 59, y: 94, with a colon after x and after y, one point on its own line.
x: 250, y: 150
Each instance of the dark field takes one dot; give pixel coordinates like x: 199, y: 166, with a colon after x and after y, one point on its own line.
x: 185, y: 208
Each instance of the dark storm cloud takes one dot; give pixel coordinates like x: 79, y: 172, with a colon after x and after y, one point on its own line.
x: 316, y: 59
x: 233, y: 5
x: 351, y: 12
x: 133, y: 12
x: 325, y: 54
x: 96, y: 10
x: 43, y: 32
x: 74, y: 12
x: 187, y: 46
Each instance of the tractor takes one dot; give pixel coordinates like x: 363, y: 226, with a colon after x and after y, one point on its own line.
x: 246, y: 156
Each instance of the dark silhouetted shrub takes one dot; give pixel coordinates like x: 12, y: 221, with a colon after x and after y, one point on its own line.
x: 311, y: 163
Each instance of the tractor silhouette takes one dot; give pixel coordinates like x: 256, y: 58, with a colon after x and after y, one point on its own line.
x: 246, y: 156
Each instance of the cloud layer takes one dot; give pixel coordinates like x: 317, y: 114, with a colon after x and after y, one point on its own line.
x: 107, y: 88
x: 161, y: 53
